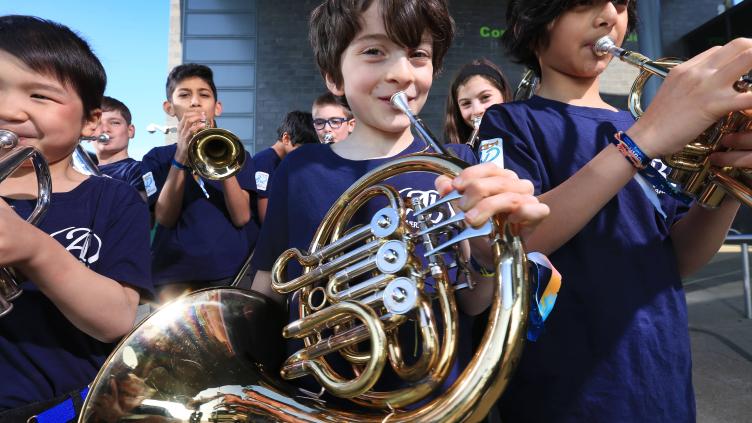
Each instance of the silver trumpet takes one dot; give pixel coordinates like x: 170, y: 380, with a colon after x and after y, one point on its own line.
x: 328, y: 138
x: 476, y: 128
x: 82, y: 160
x: 16, y: 155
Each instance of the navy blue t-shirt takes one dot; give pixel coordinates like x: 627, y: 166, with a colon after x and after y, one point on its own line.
x: 42, y: 355
x: 266, y: 162
x: 127, y: 170
x: 616, y: 346
x: 307, y: 183
x: 203, y: 245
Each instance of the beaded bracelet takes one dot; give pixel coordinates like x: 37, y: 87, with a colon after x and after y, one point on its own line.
x: 179, y: 165
x: 631, y: 151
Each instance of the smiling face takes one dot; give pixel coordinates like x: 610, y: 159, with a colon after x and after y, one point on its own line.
x: 44, y: 112
x: 475, y: 96
x: 374, y: 67
x: 573, y: 34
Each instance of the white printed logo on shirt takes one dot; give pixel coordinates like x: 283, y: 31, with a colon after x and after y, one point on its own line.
x: 87, y: 243
x: 149, y: 184
x: 492, y: 151
x: 426, y: 199
x: 262, y: 180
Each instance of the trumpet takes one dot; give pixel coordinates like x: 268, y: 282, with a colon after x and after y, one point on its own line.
x: 15, y: 157
x: 690, y: 167
x: 103, y: 138
x: 527, y: 86
x: 476, y: 128
x: 81, y: 159
x: 213, y: 153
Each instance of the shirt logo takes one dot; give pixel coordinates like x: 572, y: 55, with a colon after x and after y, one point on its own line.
x: 426, y: 199
x: 492, y: 151
x: 262, y: 179
x: 149, y: 184
x: 81, y: 240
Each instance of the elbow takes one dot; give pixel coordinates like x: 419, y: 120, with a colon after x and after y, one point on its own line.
x: 163, y: 219
x: 241, y: 220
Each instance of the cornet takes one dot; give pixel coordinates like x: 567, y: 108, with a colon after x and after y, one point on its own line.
x: 213, y: 153
x: 81, y: 159
x: 691, y: 168
x: 14, y: 158
x: 476, y: 128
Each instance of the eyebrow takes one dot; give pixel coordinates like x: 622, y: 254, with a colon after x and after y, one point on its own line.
x: 46, y: 87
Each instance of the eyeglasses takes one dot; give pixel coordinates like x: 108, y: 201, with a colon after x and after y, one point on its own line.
x: 334, y: 123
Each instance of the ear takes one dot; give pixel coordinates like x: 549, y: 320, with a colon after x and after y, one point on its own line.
x: 217, y: 108
x: 286, y: 139
x: 91, y: 123
x: 167, y: 107
x: 336, y: 90
x: 350, y: 125
x: 131, y: 131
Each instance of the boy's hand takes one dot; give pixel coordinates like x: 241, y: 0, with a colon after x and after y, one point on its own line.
x: 489, y: 190
x: 741, y: 143
x: 16, y: 241
x: 695, y: 95
x: 192, y: 122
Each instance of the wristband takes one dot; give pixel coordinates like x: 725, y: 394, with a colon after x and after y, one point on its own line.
x: 631, y: 151
x: 179, y: 165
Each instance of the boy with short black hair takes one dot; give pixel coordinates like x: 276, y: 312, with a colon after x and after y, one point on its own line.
x: 295, y: 130
x: 80, y: 296
x: 112, y: 155
x: 616, y: 346
x: 205, y: 228
x: 367, y: 51
x: 332, y: 118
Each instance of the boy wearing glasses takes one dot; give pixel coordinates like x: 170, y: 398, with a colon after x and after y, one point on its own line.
x: 332, y: 118
x: 296, y: 129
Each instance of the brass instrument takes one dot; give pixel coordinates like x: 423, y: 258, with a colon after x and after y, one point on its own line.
x: 213, y: 153
x: 691, y: 168
x: 10, y: 161
x: 213, y: 356
x: 81, y: 159
x: 527, y: 86
x: 476, y: 128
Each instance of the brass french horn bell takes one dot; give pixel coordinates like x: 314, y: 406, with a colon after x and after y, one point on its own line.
x: 691, y: 168
x: 14, y: 157
x: 215, y: 153
x: 213, y: 356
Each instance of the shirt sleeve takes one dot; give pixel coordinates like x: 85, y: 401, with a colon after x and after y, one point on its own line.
x: 154, y: 175
x: 519, y: 151
x: 273, y: 239
x: 125, y: 255
x: 246, y: 177
x: 136, y: 176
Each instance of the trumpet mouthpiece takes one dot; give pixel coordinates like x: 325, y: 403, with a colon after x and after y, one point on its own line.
x: 103, y: 138
x: 477, y: 120
x: 603, y: 46
x: 8, y: 139
x: 328, y: 137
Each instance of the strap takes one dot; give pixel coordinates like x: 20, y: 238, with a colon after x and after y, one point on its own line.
x: 63, y: 412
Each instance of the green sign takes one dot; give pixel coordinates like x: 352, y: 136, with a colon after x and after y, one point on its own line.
x: 488, y: 32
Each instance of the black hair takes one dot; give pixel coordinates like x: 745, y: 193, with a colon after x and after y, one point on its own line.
x: 528, y: 25
x: 329, y: 99
x: 110, y: 104
x: 334, y: 24
x: 189, y: 70
x: 299, y: 126
x: 53, y: 49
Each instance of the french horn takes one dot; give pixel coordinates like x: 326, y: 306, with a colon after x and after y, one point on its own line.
x: 14, y: 157
x: 691, y: 168
x: 215, y: 355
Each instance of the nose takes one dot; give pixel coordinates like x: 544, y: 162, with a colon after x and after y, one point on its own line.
x: 607, y: 15
x: 10, y: 109
x: 477, y: 108
x: 400, y: 72
x: 195, y: 100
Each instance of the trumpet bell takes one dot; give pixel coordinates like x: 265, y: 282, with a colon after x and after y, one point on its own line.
x: 216, y: 153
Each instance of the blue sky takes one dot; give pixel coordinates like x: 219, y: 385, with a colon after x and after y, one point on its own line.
x: 130, y: 38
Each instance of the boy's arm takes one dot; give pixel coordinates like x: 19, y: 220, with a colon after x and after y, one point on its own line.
x: 262, y: 283
x: 169, y: 204
x: 97, y: 305
x: 238, y: 201
x: 261, y: 203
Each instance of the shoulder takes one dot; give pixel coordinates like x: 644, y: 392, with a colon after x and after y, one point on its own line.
x: 309, y: 152
x: 464, y: 152
x: 161, y: 152
x: 120, y: 192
